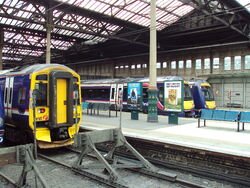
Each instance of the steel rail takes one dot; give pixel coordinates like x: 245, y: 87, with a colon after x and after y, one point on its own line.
x: 9, y: 179
x: 85, y: 174
x: 154, y: 174
x: 198, y: 171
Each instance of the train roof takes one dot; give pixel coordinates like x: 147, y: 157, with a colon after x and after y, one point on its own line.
x: 30, y: 69
x: 126, y: 80
x: 197, y: 81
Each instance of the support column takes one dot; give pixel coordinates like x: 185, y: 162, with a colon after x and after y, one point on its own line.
x: 152, y: 91
x: 48, y: 44
x: 49, y: 28
x: 1, y: 48
x: 211, y: 60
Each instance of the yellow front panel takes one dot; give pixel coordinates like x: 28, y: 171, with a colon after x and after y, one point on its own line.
x: 61, y: 101
x: 188, y: 105
x: 210, y: 104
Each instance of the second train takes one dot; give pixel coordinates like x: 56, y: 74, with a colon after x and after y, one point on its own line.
x: 107, y: 91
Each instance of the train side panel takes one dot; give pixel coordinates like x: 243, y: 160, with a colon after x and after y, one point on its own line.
x: 1, y: 117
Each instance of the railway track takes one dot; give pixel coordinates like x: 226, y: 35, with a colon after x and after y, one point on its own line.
x: 207, y: 173
x: 154, y: 175
x: 9, y: 180
x: 84, y: 173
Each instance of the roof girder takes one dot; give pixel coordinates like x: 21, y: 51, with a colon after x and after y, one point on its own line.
x: 208, y: 7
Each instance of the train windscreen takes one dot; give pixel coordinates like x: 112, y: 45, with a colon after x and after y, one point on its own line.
x: 187, y: 93
x: 208, y: 93
x: 41, y: 99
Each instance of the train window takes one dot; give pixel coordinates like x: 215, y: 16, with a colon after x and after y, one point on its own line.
x: 145, y: 93
x: 208, y: 93
x: 10, y: 95
x: 75, y: 79
x: 113, y: 93
x: 125, y: 94
x: 247, y: 62
x: 41, y: 98
x: 21, y: 95
x: 42, y: 77
x: 161, y: 94
x: 164, y: 64
x: 76, y: 94
x: 101, y: 94
x: 187, y: 93
x: 6, y: 92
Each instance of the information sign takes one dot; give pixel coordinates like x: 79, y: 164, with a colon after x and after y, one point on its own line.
x: 134, y: 95
x: 173, y: 95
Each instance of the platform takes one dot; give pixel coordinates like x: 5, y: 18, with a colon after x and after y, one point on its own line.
x: 217, y: 136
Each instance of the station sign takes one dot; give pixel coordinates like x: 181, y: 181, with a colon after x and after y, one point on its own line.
x: 134, y: 95
x: 174, y: 95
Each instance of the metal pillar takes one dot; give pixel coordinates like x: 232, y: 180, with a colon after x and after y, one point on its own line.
x: 1, y: 48
x: 152, y: 91
x: 48, y: 44
x: 49, y: 28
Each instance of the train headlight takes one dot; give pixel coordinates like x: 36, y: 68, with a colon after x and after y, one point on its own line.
x: 1, y: 121
x: 41, y: 110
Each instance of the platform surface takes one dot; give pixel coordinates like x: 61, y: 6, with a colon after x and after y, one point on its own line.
x: 217, y: 136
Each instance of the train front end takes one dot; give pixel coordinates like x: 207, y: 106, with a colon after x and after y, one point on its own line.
x: 208, y: 96
x: 55, y: 108
x: 188, y: 101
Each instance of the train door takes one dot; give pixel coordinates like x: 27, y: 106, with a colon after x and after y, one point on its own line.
x: 61, y: 100
x: 8, y: 95
x: 119, y: 93
x: 113, y: 93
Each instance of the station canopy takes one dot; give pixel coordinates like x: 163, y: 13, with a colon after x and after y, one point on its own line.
x: 90, y: 22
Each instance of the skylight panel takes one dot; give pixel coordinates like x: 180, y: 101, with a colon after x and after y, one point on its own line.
x: 13, y: 3
x: 90, y: 4
x: 245, y: 3
x: 30, y: 8
x: 182, y: 10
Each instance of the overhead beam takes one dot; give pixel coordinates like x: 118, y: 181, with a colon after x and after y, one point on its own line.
x: 37, y: 33
x: 15, y: 55
x: 1, y: 47
x: 72, y: 9
x: 203, y: 7
x: 80, y: 30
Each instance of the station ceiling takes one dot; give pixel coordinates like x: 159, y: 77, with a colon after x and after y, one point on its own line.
x: 90, y: 30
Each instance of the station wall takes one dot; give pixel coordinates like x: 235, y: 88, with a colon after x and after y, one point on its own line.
x: 225, y: 67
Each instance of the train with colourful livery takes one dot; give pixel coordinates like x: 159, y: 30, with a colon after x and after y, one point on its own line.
x: 45, y: 96
x: 1, y: 118
x: 107, y: 91
x: 202, y: 93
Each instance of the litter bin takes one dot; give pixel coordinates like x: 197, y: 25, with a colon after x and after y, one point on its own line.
x: 173, y: 118
x: 134, y: 114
